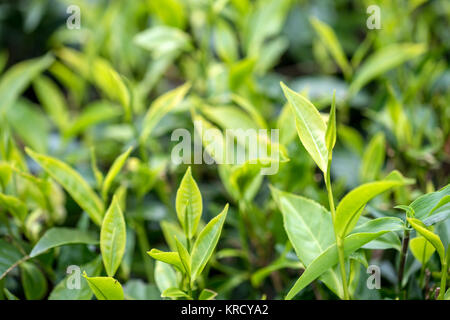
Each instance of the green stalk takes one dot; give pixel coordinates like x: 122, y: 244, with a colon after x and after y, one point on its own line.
x: 339, y: 240
x: 443, y: 280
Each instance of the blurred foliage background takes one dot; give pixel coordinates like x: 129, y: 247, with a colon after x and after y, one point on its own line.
x: 393, y: 113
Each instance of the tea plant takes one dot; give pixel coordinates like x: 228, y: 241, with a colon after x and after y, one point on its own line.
x: 97, y: 192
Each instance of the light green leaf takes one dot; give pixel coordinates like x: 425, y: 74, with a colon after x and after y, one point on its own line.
x: 351, y: 206
x: 225, y: 41
x: 114, y: 171
x: 113, y: 238
x: 172, y: 258
x: 310, y: 231
x: 105, y: 288
x: 15, y: 80
x: 330, y: 134
x: 163, y: 40
x: 33, y: 281
x: 373, y: 158
x: 165, y: 276
x: 35, y: 136
x: 331, y: 42
x: 52, y: 100
x: 422, y: 249
x: 310, y: 127
x: 207, y: 294
x: 425, y: 205
x: 184, y: 257
x: 170, y: 231
x: 14, y: 206
x: 175, y: 293
x: 56, y: 237
x: 160, y: 107
x: 93, y: 113
x: 73, y: 183
x: 329, y: 257
x: 111, y: 83
x: 189, y: 204
x: 206, y: 243
x: 383, y: 60
x: 429, y: 235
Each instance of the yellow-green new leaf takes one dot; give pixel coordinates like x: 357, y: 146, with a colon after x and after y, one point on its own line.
x: 184, y: 256
x: 383, y: 60
x: 429, y: 235
x: 331, y: 42
x: 15, y: 80
x: 189, y: 204
x: 73, y: 183
x: 113, y: 238
x: 172, y: 258
x: 105, y: 288
x: 14, y: 205
x: 310, y: 125
x: 373, y: 158
x: 114, y: 171
x: 422, y: 249
x: 160, y: 107
x: 330, y: 134
x: 206, y: 243
x: 351, y: 206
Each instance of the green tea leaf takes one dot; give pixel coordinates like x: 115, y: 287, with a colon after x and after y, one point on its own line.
x: 373, y: 158
x: 422, y: 249
x: 331, y: 42
x: 56, y: 237
x: 33, y: 281
x: 9, y: 255
x: 175, y: 293
x: 105, y: 288
x: 113, y: 238
x: 15, y: 80
x: 330, y: 134
x: 15, y: 206
x: 351, y: 206
x: 111, y: 83
x: 35, y: 136
x: 73, y: 183
x: 165, y: 276
x: 310, y: 231
x: 184, y: 257
x: 428, y: 203
x: 189, y: 204
x: 206, y: 243
x: 92, y: 114
x: 172, y: 258
x: 384, y: 59
x: 163, y: 40
x: 311, y: 127
x: 207, y: 294
x: 114, y: 171
x: 329, y: 257
x: 52, y: 100
x: 225, y: 41
x: 160, y: 107
x: 429, y: 235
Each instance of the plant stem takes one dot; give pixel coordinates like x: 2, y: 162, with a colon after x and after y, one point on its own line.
x: 443, y: 281
x: 243, y: 235
x: 339, y: 240
x: 401, y: 270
